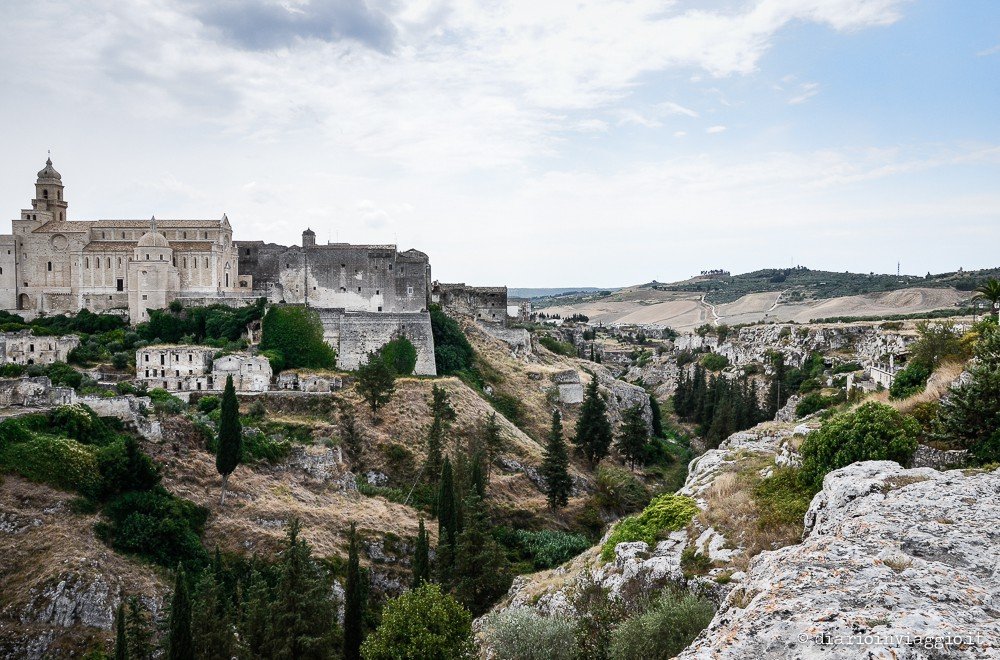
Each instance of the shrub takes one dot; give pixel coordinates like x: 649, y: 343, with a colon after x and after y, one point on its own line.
x: 422, y: 623
x: 61, y: 374
x: 550, y: 548
x: 80, y: 423
x: 619, y: 490
x: 156, y: 525
x: 664, y: 630
x: 910, y: 380
x: 666, y: 513
x: 165, y: 403
x: 207, y: 404
x: 257, y: 446
x: 814, y: 402
x: 12, y: 370
x: 297, y: 333
x: 452, y: 351
x: 59, y: 462
x: 558, y: 347
x: 847, y: 367
x: 714, y: 361
x: 400, y: 355
x: 520, y: 633
x: 124, y: 467
x: 782, y: 498
x: 872, y: 432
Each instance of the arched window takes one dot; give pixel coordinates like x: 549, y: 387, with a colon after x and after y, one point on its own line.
x: 45, y: 194
x: 109, y: 262
x: 50, y: 266
x: 184, y: 234
x: 97, y: 262
x: 147, y: 256
x: 185, y: 262
x: 59, y: 195
x: 206, y: 262
x: 86, y: 262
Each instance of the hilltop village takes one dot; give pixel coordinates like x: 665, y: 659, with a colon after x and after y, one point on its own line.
x: 244, y: 449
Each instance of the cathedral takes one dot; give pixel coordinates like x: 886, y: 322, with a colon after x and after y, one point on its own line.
x: 50, y: 264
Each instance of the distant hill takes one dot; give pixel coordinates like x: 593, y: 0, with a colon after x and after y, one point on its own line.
x: 547, y: 292
x: 819, y: 284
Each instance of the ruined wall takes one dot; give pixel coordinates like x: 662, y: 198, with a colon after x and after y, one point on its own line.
x: 355, y: 334
x: 23, y: 347
x: 368, y: 278
x: 483, y: 303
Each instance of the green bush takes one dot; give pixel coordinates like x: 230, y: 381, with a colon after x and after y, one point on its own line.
x: 297, y: 333
x: 259, y: 447
x: 80, y: 423
x: 124, y: 467
x: 422, y: 623
x: 911, y: 380
x: 207, y: 404
x: 400, y: 355
x: 666, y: 513
x: 550, y: 548
x: 782, y: 498
x: 216, y: 325
x: 814, y: 402
x: 847, y: 367
x: 664, y: 630
x: 165, y: 403
x: 521, y: 633
x: 156, y: 525
x: 619, y: 490
x: 558, y: 347
x: 59, y: 462
x: 872, y: 432
x: 61, y: 374
x: 714, y: 361
x: 452, y: 351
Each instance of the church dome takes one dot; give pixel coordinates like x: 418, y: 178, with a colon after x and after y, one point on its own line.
x: 153, y: 239
x: 48, y: 172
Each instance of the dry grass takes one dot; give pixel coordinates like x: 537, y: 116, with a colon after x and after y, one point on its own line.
x: 937, y: 387
x: 48, y: 543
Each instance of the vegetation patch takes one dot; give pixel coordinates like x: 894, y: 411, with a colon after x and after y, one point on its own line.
x: 558, y: 347
x: 666, y: 513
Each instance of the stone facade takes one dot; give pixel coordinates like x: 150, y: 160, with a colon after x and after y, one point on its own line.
x: 33, y: 392
x: 23, y: 347
x: 305, y: 381
x: 251, y: 373
x: 484, y: 303
x: 55, y: 265
x: 180, y: 368
x: 355, y: 334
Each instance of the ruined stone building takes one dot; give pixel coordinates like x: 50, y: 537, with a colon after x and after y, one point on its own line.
x: 179, y: 368
x: 483, y: 303
x: 23, y: 347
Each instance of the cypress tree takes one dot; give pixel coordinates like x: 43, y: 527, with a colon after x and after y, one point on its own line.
x: 482, y: 572
x: 211, y: 625
x: 230, y: 436
x: 447, y: 522
x: 421, y: 557
x: 657, y: 428
x: 303, y: 615
x: 121, y: 642
x: 633, y: 435
x: 593, y: 430
x: 256, y: 625
x: 477, y: 477
x: 555, y: 466
x: 441, y: 415
x: 492, y: 441
x: 353, y: 605
x: 137, y: 630
x: 180, y: 645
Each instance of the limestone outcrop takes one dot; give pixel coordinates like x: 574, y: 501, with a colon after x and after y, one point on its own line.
x: 896, y: 563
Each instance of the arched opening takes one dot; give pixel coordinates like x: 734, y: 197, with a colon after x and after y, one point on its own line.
x: 227, y: 280
x: 45, y: 194
x: 23, y: 301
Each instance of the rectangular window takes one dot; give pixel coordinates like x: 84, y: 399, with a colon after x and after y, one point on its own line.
x: 120, y: 284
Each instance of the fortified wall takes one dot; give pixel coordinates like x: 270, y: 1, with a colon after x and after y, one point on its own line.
x: 355, y: 334
x: 483, y: 303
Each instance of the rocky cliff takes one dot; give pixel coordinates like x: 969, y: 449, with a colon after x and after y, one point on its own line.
x: 895, y: 563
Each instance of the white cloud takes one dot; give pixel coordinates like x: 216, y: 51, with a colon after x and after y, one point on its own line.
x: 805, y: 92
x: 993, y: 50
x: 679, y: 134
x: 715, y: 129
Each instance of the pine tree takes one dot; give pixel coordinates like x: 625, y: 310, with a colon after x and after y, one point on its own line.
x: 121, y: 641
x: 303, y: 615
x: 421, y: 557
x: 447, y: 523
x: 255, y: 637
x: 137, y: 630
x: 441, y: 415
x: 970, y: 417
x: 633, y: 435
x: 482, y: 572
x: 376, y: 383
x: 230, y: 436
x: 593, y: 430
x: 179, y: 642
x: 555, y: 466
x: 353, y: 605
x: 352, y: 437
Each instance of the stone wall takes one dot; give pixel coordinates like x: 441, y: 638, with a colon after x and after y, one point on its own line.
x: 24, y: 347
x: 33, y: 392
x: 355, y: 334
x: 129, y: 409
x: 483, y: 303
x: 518, y: 339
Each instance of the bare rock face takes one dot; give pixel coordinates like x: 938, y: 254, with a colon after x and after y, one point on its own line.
x: 896, y: 563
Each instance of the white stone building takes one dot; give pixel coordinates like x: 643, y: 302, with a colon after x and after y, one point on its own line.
x: 23, y: 347
x: 180, y: 368
x: 251, y: 373
x: 307, y: 381
x: 55, y: 265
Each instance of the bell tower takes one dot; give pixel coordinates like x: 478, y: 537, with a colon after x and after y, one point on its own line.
x: 49, y: 192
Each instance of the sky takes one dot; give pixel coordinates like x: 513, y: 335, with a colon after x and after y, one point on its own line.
x: 557, y: 143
